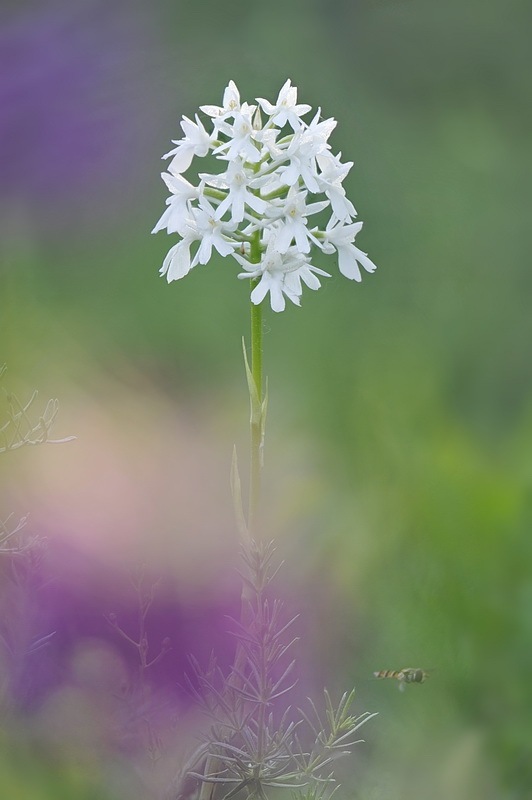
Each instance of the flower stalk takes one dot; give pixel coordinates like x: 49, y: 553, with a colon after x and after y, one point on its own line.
x: 257, y: 405
x: 257, y: 211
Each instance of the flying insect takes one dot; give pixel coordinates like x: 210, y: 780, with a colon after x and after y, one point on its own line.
x: 403, y: 676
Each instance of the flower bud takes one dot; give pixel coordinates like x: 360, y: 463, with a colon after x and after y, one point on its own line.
x: 257, y: 120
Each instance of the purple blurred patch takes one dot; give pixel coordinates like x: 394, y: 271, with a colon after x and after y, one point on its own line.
x: 69, y: 119
x: 70, y: 595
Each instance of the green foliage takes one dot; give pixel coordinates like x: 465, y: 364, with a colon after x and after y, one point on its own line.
x: 27, y: 774
x: 256, y: 742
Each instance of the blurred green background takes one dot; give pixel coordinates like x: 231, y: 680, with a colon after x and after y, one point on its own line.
x: 399, y: 454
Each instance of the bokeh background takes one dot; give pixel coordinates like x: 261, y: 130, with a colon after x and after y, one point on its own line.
x: 399, y: 460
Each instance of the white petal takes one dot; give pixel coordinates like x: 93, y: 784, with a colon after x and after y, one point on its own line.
x: 310, y: 181
x: 260, y: 291
x: 256, y: 203
x: 315, y: 208
x: 302, y: 243
x: 277, y: 300
x: 179, y: 185
x: 211, y: 111
x: 223, y: 247
x: 251, y: 268
x: 163, y: 221
x: 182, y: 158
x: 204, y: 251
x: 167, y: 259
x: 347, y: 263
x: 266, y: 106
x: 222, y: 208
x: 177, y: 263
x: 309, y: 279
x: 284, y: 238
x: 342, y: 207
x: 291, y: 174
x: 366, y: 262
x: 293, y: 296
x: 231, y: 95
x: 285, y: 91
x: 237, y: 213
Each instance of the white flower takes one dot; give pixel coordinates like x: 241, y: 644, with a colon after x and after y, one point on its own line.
x: 294, y: 213
x: 273, y: 149
x: 341, y: 238
x: 286, y: 110
x: 239, y: 184
x: 177, y: 262
x: 210, y: 231
x: 241, y: 136
x: 196, y: 142
x: 178, y: 205
x: 318, y: 132
x: 332, y: 173
x: 231, y: 104
x: 280, y: 275
x: 299, y: 165
x: 306, y: 145
x: 276, y: 173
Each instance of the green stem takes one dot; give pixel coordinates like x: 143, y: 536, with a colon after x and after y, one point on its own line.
x: 212, y: 763
x: 256, y: 423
